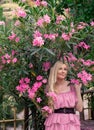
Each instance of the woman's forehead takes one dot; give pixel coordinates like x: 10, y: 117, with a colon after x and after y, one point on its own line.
x: 62, y: 65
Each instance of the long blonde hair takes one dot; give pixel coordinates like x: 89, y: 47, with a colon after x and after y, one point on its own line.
x: 52, y: 80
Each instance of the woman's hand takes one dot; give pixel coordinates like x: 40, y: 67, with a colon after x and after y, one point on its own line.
x: 78, y: 87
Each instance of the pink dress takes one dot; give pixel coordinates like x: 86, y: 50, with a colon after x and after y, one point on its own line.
x: 61, y: 121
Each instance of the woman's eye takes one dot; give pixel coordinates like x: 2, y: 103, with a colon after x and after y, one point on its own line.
x: 65, y: 69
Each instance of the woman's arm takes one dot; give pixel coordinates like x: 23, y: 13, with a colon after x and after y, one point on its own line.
x: 79, y: 104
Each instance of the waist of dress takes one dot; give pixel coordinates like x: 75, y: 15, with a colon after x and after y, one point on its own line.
x: 65, y: 110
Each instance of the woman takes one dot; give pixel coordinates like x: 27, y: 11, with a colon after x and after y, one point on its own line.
x: 68, y: 99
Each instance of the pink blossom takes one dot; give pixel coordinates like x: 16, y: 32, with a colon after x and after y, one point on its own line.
x: 37, y: 34
x: 46, y: 65
x: 40, y: 22
x: 71, y: 57
x: 37, y: 2
x: 23, y: 1
x: 13, y: 52
x: 75, y: 81
x: 44, y: 81
x: 46, y: 18
x: 30, y: 65
x: 50, y: 36
x: 38, y: 41
x: 2, y: 23
x: 36, y: 86
x: 22, y: 88
x: 92, y: 23
x: 39, y: 77
x: 7, y: 56
x: 44, y: 3
x: 8, y: 61
x: 84, y: 76
x: 3, y: 59
x: 31, y: 94
x: 87, y: 62
x: 72, y: 65
x: 14, y: 60
x: 84, y: 45
x: 27, y: 80
x: 17, y: 39
x: 21, y: 81
x: 17, y: 23
x: 66, y: 37
x: 47, y: 109
x: 81, y: 25
x: 39, y: 100
x: 11, y: 37
x: 21, y: 13
x: 59, y: 18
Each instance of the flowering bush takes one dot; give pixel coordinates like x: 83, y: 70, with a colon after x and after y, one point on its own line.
x: 32, y: 41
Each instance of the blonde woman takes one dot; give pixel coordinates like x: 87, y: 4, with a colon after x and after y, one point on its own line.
x: 68, y: 100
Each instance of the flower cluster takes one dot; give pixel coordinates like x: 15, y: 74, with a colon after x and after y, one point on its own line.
x: 7, y: 59
x: 13, y: 37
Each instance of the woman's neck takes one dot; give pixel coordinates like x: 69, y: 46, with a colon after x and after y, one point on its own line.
x: 61, y: 82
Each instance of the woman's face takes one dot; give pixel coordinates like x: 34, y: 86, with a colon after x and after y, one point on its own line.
x: 62, y: 71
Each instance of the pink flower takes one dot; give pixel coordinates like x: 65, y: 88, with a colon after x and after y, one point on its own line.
x: 17, y: 23
x: 14, y: 60
x: 83, y: 45
x: 11, y: 37
x: 44, y: 81
x: 84, y: 76
x: 39, y: 100
x: 22, y: 88
x: 2, y: 23
x: 27, y: 80
x: 37, y: 2
x: 31, y: 94
x: 87, y: 62
x: 44, y: 3
x: 66, y: 37
x: 37, y: 34
x: 36, y: 86
x: 71, y: 57
x: 46, y: 66
x: 50, y: 36
x: 13, y: 52
x: 30, y: 65
x: 47, y: 109
x: 59, y: 18
x: 8, y: 61
x: 40, y: 22
x: 38, y: 41
x: 39, y: 77
x: 46, y: 18
x: 81, y: 25
x: 92, y: 23
x: 21, y: 13
x: 7, y: 56
x: 3, y: 59
x: 75, y: 81
x: 23, y: 1
x: 21, y: 81
x: 17, y: 39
